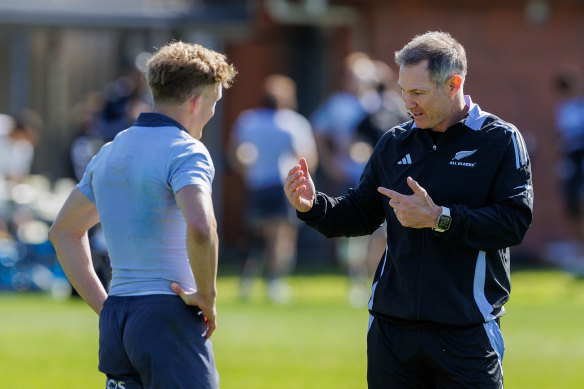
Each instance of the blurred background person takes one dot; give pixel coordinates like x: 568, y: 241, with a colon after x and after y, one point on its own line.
x: 384, y: 109
x: 125, y: 99
x: 6, y: 126
x: 344, y: 150
x: 335, y: 122
x: 87, y: 140
x: 26, y: 257
x: 18, y: 144
x: 569, y: 119
x: 265, y: 140
x: 18, y: 138
x: 383, y: 104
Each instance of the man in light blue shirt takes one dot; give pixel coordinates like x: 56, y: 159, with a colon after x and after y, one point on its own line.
x: 144, y: 227
x: 264, y: 142
x: 151, y: 190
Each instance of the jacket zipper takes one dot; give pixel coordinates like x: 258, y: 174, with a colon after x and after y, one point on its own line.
x: 423, y: 245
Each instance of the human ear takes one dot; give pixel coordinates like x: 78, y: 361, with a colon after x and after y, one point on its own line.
x: 455, y: 83
x: 194, y: 103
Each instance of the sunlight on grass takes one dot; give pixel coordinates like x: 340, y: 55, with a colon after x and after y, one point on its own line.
x: 543, y: 331
x: 317, y: 341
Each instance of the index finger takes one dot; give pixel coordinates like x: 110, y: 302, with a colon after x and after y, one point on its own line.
x: 392, y: 194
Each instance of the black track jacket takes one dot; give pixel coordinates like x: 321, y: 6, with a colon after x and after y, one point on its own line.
x: 480, y: 169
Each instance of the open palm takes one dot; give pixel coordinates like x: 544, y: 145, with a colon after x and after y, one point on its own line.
x: 299, y: 187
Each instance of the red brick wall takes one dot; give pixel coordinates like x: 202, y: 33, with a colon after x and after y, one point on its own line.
x: 512, y: 63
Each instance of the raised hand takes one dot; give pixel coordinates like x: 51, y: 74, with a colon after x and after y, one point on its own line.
x: 299, y: 187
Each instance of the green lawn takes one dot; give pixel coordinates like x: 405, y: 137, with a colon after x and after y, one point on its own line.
x: 318, y: 341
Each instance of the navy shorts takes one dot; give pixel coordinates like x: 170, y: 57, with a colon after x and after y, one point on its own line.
x: 268, y: 203
x: 574, y: 183
x: 430, y: 357
x: 154, y: 341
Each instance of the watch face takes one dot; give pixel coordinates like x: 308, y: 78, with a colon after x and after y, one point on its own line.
x: 444, y: 222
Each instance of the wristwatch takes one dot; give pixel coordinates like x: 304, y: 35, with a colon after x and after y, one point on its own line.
x: 444, y: 220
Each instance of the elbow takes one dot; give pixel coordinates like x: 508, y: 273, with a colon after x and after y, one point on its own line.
x: 518, y: 238
x: 515, y: 240
x: 522, y: 226
x: 54, y: 234
x: 59, y: 233
x: 203, y: 231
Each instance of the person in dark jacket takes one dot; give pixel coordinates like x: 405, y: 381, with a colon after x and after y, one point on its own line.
x: 454, y: 185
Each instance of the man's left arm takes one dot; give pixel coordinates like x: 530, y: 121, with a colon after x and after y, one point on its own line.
x: 202, y: 244
x: 68, y: 234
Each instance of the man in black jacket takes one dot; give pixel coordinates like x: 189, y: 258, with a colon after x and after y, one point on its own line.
x: 454, y: 185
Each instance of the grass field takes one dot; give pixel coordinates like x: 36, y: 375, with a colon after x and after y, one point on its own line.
x: 318, y: 341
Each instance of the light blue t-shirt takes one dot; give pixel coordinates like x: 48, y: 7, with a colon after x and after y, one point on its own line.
x: 337, y: 118
x: 133, y: 181
x: 278, y: 138
x: 570, y: 123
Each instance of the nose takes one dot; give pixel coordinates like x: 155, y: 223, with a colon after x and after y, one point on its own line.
x: 408, y: 102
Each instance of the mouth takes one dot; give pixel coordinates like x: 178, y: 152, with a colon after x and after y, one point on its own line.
x: 417, y: 116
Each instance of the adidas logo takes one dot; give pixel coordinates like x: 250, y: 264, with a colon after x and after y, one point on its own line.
x: 407, y: 160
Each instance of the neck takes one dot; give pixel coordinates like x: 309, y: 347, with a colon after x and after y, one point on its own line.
x: 176, y: 112
x: 172, y: 112
x: 457, y: 113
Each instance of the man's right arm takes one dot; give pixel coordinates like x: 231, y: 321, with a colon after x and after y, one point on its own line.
x: 358, y: 213
x: 202, y: 243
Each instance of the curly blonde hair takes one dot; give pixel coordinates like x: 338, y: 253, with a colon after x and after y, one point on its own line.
x: 179, y: 70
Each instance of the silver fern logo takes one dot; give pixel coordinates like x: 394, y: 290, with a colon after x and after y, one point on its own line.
x: 461, y: 155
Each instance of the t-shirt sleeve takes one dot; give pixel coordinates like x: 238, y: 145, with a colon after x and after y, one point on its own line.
x: 303, y: 137
x: 86, y: 183
x: 190, y: 164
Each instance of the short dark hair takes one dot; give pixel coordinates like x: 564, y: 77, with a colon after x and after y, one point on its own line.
x: 446, y: 57
x: 178, y: 69
x: 279, y: 92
